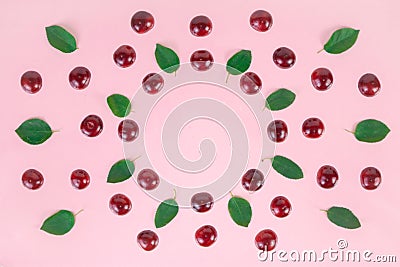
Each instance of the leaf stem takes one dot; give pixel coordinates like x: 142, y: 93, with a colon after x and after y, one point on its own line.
x: 262, y: 160
x: 55, y: 131
x: 320, y: 50
x: 76, y: 214
x: 323, y: 210
x: 175, y: 73
x: 174, y: 197
x: 227, y: 77
x: 136, y: 158
x: 349, y: 131
x: 230, y: 192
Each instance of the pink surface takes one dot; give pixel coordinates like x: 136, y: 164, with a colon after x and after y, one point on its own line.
x: 102, y: 239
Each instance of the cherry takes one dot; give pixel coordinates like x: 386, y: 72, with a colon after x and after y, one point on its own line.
x: 253, y: 180
x: 31, y: 82
x: 261, y: 20
x: 327, y: 176
x: 201, y: 60
x: 200, y: 26
x: 277, y: 131
x: 148, y: 240
x: 266, y: 240
x: 322, y: 79
x: 250, y: 83
x: 32, y: 179
x: 142, y: 22
x: 202, y: 202
x: 280, y: 207
x: 369, y: 85
x: 152, y: 83
x: 370, y: 178
x: 128, y: 130
x: 124, y: 56
x: 92, y: 126
x: 79, y: 78
x: 148, y: 179
x: 313, y: 128
x: 80, y: 179
x: 120, y: 204
x: 206, y: 235
x: 284, y: 57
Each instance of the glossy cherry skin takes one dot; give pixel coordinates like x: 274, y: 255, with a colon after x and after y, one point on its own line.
x: 79, y: 78
x: 200, y: 26
x: 266, y: 240
x: 120, y: 204
x: 152, y: 83
x: 31, y: 82
x: 250, y: 83
x: 313, y: 128
x: 148, y: 240
x: 261, y: 20
x: 280, y: 207
x: 201, y: 60
x: 277, y: 131
x: 92, y: 126
x: 284, y: 57
x: 124, y: 56
x: 32, y: 179
x: 253, y: 180
x: 370, y: 178
x: 369, y: 85
x: 327, y: 176
x: 142, y: 22
x: 322, y: 79
x: 202, y: 202
x: 80, y: 179
x: 148, y: 179
x: 206, y: 235
x: 128, y: 130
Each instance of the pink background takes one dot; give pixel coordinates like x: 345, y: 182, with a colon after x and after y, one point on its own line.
x: 102, y: 239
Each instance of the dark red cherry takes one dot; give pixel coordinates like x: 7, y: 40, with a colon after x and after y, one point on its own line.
x: 284, y: 57
x: 80, y: 179
x: 313, y: 128
x: 200, y: 26
x: 277, y: 131
x: 253, y: 180
x: 148, y: 240
x: 128, y: 130
x: 92, y: 126
x: 201, y: 60
x: 250, y: 83
x: 148, y: 179
x: 152, y: 83
x: 266, y: 240
x: 79, y: 78
x: 32, y: 179
x: 322, y: 79
x: 120, y: 204
x: 142, y: 22
x: 327, y: 176
x: 124, y: 56
x: 370, y: 178
x: 31, y: 82
x: 369, y: 85
x: 261, y: 20
x: 206, y: 235
x: 202, y: 202
x: 280, y: 207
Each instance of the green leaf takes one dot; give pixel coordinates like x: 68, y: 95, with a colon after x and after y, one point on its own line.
x: 59, y: 223
x: 119, y: 105
x: 371, y: 131
x: 239, y: 62
x: 167, y: 59
x: 121, y: 170
x: 61, y: 39
x: 166, y: 212
x: 343, y: 217
x: 240, y: 211
x: 280, y: 99
x: 287, y: 167
x: 341, y: 40
x: 34, y: 131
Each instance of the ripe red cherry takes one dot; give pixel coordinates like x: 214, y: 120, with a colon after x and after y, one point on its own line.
x: 261, y: 20
x: 250, y: 83
x: 253, y: 180
x: 277, y: 131
x: 369, y: 85
x: 200, y: 26
x: 322, y: 79
x: 80, y: 179
x: 202, y: 202
x: 284, y: 57
x: 92, y: 126
x: 327, y: 176
x: 266, y: 240
x: 31, y: 82
x: 152, y: 83
x: 79, y: 78
x: 148, y: 179
x: 142, y: 22
x: 370, y: 178
x: 32, y: 179
x: 280, y: 207
x: 124, y: 56
x: 128, y: 130
x: 148, y: 240
x: 206, y: 235
x: 313, y: 128
x: 201, y: 60
x: 120, y: 204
